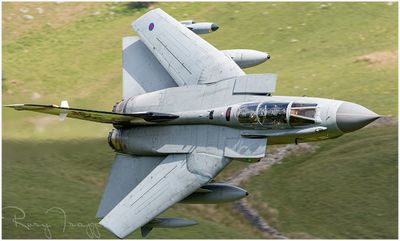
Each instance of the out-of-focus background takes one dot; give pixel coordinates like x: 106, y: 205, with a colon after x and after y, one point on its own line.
x: 54, y: 172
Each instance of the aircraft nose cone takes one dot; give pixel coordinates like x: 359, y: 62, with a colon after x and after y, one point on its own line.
x: 214, y: 27
x: 351, y: 117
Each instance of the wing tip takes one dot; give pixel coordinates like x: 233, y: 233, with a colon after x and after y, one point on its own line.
x: 110, y: 228
x: 13, y: 105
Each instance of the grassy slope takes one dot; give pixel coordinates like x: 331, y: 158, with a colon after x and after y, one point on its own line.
x: 80, y: 60
x: 345, y: 189
x: 71, y: 175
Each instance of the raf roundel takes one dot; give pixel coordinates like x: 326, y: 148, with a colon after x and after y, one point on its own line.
x: 151, y: 26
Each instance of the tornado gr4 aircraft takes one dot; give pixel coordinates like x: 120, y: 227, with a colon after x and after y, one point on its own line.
x: 187, y: 111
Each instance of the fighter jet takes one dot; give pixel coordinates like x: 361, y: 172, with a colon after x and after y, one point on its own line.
x: 188, y: 110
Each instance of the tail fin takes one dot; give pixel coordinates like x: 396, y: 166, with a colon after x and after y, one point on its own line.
x: 63, y: 115
x: 141, y: 71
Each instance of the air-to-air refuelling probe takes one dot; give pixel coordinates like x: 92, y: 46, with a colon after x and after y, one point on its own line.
x: 187, y: 111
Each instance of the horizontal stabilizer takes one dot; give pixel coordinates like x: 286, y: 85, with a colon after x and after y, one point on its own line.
x: 137, y: 118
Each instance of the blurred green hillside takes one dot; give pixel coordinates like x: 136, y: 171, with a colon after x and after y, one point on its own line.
x: 345, y: 189
x: 57, y: 51
x: 314, y: 49
x: 68, y: 178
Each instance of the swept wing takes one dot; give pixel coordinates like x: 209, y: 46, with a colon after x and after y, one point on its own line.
x: 188, y: 58
x: 178, y: 175
x: 167, y: 184
x: 126, y: 173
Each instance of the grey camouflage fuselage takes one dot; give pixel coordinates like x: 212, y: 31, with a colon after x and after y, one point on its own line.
x: 296, y: 119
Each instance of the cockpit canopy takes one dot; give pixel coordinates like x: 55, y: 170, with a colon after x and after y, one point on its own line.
x: 268, y: 115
